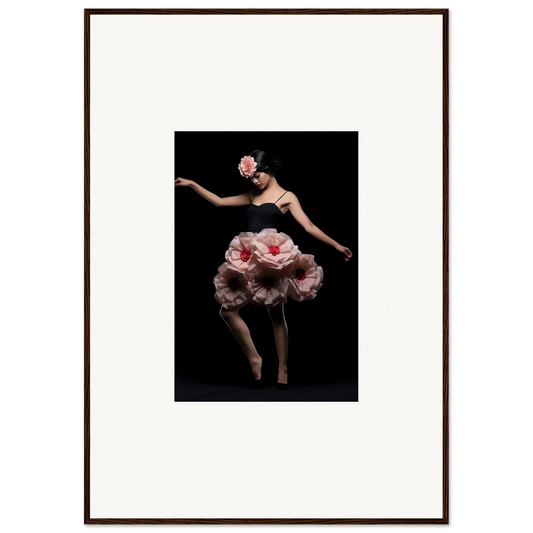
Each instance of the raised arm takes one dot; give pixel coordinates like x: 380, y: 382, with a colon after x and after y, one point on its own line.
x: 241, y: 199
x: 299, y: 215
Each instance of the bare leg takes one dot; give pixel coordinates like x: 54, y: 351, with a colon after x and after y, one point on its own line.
x: 241, y: 332
x: 281, y: 336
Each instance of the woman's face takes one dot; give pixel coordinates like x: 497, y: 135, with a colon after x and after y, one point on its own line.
x: 260, y: 179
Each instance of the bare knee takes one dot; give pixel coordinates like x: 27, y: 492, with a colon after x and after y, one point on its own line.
x: 227, y: 314
x: 276, y: 314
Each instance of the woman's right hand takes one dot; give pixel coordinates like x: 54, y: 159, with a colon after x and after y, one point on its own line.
x: 182, y: 182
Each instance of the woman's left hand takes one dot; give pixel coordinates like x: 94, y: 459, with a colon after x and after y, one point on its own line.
x: 345, y: 250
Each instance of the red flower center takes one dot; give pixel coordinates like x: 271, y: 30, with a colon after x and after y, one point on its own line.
x: 274, y: 250
x: 234, y: 284
x: 268, y: 282
x: 245, y: 255
x: 300, y: 274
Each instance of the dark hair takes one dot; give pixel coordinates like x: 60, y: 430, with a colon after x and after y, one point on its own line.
x: 266, y: 163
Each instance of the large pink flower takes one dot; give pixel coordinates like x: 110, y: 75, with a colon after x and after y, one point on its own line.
x: 273, y: 250
x: 247, y: 166
x: 269, y: 287
x: 239, y: 254
x: 233, y: 289
x: 305, y: 278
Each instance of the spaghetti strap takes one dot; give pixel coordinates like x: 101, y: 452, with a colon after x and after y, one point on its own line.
x: 282, y: 195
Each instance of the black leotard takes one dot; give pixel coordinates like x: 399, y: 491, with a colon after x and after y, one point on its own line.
x: 267, y: 215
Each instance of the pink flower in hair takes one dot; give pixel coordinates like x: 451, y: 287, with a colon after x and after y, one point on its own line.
x: 305, y: 278
x: 247, y: 166
x: 239, y: 254
x: 233, y: 289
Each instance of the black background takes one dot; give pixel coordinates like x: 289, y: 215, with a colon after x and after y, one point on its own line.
x: 321, y: 169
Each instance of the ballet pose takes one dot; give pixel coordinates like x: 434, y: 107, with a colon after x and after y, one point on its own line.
x: 263, y: 265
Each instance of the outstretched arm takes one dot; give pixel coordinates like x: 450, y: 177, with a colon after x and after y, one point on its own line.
x: 299, y: 215
x: 241, y: 199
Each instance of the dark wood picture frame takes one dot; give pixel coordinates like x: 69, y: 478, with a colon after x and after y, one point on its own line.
x: 445, y: 269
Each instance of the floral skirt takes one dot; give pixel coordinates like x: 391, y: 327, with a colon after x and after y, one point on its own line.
x: 265, y: 269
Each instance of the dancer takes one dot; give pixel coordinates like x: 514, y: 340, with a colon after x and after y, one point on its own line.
x: 263, y: 265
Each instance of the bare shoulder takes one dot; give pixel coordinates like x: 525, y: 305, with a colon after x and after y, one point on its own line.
x: 289, y: 201
x: 250, y: 193
x: 244, y: 198
x: 290, y: 197
x: 293, y: 204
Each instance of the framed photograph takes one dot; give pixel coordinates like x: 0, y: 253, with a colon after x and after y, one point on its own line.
x: 259, y: 241
x: 266, y: 266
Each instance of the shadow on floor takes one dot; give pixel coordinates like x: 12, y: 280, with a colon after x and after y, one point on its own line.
x: 189, y: 390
